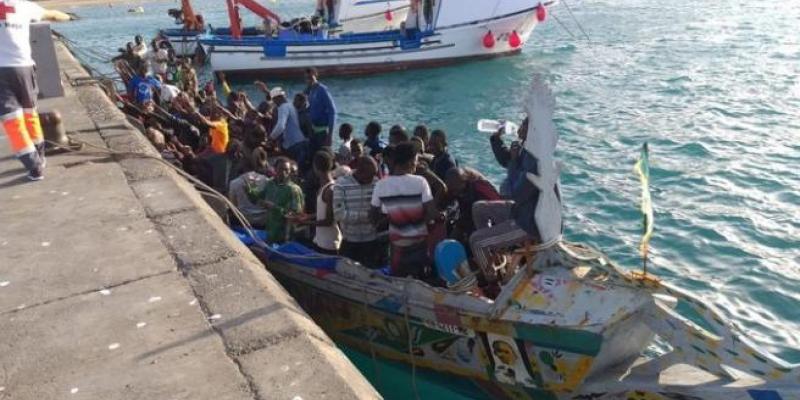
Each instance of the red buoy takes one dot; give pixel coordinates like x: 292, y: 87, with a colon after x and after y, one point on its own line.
x: 513, y: 40
x: 488, y: 40
x: 388, y: 15
x: 541, y: 12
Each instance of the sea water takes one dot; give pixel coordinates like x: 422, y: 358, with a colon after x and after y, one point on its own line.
x: 713, y: 86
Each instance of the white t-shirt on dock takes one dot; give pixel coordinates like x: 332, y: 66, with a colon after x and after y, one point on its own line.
x: 15, y: 43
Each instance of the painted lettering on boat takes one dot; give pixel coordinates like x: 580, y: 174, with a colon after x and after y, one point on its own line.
x: 454, y: 329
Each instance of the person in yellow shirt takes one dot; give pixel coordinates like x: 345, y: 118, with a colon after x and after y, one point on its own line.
x: 218, y: 130
x: 214, y: 158
x: 217, y: 123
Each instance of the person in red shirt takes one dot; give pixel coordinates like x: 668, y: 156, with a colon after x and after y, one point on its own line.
x: 469, y: 189
x: 18, y: 87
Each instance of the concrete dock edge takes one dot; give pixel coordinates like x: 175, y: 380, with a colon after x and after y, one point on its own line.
x: 277, y: 348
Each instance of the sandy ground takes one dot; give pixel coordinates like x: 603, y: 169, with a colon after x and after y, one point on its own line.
x: 70, y: 4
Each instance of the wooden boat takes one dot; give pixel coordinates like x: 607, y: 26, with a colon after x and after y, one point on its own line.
x: 449, y: 32
x: 567, y: 323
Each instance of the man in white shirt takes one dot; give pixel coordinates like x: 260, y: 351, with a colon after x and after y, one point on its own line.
x: 168, y: 92
x: 18, y: 87
x: 140, y: 47
x: 159, y: 60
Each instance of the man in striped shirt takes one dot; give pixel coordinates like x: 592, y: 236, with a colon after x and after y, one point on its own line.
x: 352, y: 195
x: 406, y: 200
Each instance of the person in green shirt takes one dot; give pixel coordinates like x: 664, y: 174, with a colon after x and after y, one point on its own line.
x: 283, y: 199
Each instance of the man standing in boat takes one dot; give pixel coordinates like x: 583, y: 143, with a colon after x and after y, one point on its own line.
x: 407, y: 202
x: 322, y: 110
x: 533, y: 215
x: 287, y: 129
x: 508, y: 157
x: 352, y: 195
x: 18, y: 87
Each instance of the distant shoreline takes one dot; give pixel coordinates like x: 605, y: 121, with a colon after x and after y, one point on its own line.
x: 70, y: 4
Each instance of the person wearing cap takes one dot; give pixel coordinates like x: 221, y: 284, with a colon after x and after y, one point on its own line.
x: 287, y: 128
x: 18, y: 87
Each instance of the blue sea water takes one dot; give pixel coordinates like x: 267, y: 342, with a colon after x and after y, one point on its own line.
x: 713, y: 86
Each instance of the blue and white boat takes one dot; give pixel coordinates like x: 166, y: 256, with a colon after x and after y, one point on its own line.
x: 433, y: 33
x: 351, y: 16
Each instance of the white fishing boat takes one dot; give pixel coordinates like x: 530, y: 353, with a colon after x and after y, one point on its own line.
x: 433, y: 33
x: 350, y: 16
x: 567, y: 323
x: 183, y: 41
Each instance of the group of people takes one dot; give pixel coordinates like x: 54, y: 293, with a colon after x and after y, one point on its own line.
x: 382, y: 199
x: 157, y: 58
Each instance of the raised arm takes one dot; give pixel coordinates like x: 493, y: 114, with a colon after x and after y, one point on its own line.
x: 263, y: 88
x: 183, y: 106
x: 227, y: 112
x: 501, y: 152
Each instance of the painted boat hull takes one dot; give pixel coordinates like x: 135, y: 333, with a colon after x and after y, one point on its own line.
x: 444, y: 46
x: 507, y: 356
x: 575, y: 329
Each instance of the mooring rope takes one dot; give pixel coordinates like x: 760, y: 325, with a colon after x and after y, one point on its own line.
x: 364, y: 319
x: 569, y: 9
x: 572, y: 35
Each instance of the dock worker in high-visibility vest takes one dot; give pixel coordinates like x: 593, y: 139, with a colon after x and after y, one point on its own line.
x: 18, y: 87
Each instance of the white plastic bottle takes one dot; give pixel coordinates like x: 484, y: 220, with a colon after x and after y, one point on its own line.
x: 493, y: 125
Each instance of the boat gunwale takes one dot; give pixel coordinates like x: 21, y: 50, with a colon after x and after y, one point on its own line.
x: 365, y: 280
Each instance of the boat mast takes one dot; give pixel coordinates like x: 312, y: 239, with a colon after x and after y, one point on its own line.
x: 235, y: 19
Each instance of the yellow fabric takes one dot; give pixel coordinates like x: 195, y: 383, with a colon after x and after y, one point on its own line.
x: 18, y: 135
x: 34, y: 126
x: 219, y: 136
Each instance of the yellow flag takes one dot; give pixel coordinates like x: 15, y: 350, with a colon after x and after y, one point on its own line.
x: 643, y: 169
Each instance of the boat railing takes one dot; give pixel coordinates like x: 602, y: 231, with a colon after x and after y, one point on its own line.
x: 306, y: 39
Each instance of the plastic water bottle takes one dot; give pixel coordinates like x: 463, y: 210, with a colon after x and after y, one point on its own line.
x: 493, y: 125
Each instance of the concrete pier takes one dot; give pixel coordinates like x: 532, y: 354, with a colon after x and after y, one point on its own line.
x: 117, y: 281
